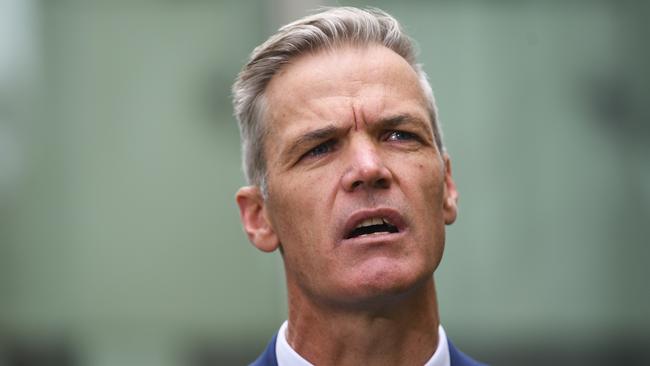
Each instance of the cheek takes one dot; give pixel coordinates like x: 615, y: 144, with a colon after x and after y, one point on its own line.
x: 300, y: 210
x: 424, y: 175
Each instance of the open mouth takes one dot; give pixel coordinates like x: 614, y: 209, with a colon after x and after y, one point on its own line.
x: 370, y: 226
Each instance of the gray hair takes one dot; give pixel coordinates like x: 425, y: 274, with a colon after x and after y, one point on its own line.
x: 329, y: 29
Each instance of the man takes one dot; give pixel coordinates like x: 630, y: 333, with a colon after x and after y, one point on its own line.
x: 349, y: 179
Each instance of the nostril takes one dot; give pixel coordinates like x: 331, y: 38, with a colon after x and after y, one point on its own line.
x: 367, y: 176
x: 381, y: 183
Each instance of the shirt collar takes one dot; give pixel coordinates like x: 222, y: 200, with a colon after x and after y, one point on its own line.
x: 288, y: 357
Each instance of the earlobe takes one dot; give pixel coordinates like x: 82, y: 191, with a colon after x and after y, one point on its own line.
x: 450, y: 199
x: 254, y: 220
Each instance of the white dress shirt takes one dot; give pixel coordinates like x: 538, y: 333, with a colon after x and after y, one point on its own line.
x: 288, y: 357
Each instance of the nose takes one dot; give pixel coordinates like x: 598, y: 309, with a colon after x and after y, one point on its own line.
x: 366, y: 169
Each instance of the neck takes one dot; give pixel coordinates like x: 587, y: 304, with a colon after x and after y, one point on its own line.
x: 404, y: 331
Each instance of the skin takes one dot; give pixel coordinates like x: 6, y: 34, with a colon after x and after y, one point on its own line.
x: 350, y: 137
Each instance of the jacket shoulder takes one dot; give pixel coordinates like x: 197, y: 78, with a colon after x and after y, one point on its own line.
x: 458, y: 358
x: 267, y: 358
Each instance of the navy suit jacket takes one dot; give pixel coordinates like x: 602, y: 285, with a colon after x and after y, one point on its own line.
x: 457, y: 358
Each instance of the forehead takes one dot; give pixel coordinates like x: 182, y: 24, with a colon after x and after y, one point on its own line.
x: 331, y: 83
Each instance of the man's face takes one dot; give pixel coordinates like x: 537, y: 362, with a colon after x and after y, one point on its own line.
x: 358, y: 193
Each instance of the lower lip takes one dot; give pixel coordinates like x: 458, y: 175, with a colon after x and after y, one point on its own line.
x: 375, y: 239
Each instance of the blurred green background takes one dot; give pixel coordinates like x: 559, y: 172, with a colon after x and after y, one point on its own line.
x: 120, y: 242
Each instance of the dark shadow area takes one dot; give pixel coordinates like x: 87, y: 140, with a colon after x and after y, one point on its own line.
x: 36, y: 352
x: 628, y: 354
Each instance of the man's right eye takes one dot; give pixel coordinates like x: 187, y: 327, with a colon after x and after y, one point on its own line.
x: 321, y: 149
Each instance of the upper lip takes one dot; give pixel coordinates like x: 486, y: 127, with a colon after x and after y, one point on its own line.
x: 392, y: 215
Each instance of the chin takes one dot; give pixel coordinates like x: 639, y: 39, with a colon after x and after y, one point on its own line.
x: 384, y: 282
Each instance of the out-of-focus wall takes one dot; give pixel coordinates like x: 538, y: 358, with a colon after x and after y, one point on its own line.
x: 122, y: 234
x: 120, y: 242
x: 545, y: 114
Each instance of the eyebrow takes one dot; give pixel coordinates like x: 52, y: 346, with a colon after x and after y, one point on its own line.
x: 400, y: 119
x: 311, y: 137
x: 394, y: 121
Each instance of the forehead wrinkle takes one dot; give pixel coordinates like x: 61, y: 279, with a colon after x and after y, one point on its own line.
x: 363, y: 117
x: 373, y: 102
x: 354, y: 117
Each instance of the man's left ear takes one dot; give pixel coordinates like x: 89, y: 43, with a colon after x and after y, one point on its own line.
x: 450, y: 196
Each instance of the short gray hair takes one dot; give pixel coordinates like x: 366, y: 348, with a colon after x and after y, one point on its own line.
x: 328, y: 29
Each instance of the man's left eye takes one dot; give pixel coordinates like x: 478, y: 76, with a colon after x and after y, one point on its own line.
x: 400, y: 135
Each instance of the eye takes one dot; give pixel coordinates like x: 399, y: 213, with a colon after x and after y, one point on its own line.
x: 322, y: 149
x: 401, y: 136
